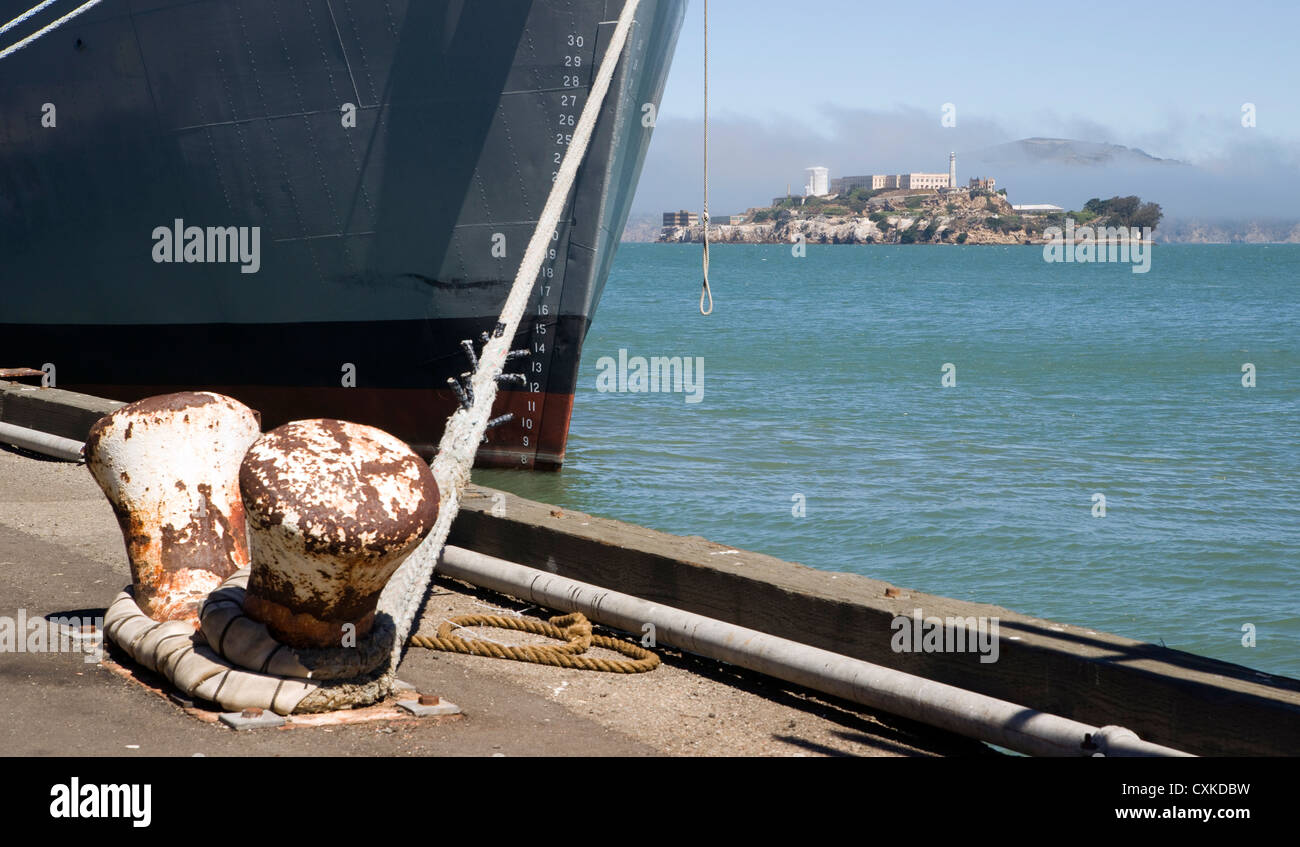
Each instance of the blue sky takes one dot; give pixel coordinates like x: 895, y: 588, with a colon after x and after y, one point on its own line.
x: 859, y: 87
x: 1137, y: 69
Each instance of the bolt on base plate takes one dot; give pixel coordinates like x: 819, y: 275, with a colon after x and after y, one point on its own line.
x: 443, y: 707
x: 240, y: 721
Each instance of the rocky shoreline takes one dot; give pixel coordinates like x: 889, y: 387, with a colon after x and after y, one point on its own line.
x: 959, y: 217
x: 829, y: 231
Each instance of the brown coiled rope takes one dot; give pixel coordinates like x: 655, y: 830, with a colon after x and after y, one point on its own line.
x: 572, y: 628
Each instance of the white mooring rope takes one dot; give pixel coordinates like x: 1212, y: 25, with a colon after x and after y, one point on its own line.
x: 14, y: 48
x: 25, y: 15
x: 465, y: 428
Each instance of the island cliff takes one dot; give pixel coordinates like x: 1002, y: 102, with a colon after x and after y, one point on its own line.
x: 963, y: 216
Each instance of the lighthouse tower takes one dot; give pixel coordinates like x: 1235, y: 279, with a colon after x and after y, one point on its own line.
x: 952, y: 170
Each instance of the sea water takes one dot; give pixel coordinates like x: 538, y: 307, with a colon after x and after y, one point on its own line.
x: 1074, y: 441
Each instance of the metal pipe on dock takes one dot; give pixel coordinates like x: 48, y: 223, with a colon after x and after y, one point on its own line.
x: 964, y: 712
x: 41, y: 442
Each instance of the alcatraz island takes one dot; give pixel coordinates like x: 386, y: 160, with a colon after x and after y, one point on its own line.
x: 909, y: 208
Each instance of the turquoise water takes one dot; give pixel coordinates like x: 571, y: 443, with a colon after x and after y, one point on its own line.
x: 822, y: 378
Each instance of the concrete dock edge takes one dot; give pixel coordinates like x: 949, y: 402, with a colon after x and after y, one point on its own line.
x: 1178, y: 699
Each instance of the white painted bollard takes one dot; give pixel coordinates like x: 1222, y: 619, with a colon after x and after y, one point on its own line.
x: 333, y: 509
x: 169, y: 465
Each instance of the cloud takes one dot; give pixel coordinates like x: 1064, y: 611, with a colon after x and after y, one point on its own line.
x: 1241, y: 173
x: 751, y: 161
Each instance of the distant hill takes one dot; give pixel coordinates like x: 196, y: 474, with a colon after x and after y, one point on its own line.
x: 1067, y: 172
x: 1067, y: 151
x: 642, y: 227
x: 1249, y: 231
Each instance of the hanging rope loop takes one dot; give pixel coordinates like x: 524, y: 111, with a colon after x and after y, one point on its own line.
x: 705, y: 291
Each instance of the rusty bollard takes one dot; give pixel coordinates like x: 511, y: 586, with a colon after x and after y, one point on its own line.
x: 333, y: 509
x: 170, y: 467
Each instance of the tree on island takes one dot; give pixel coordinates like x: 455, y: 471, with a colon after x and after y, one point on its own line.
x: 1126, y: 211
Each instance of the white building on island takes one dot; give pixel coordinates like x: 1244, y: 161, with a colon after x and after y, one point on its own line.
x: 884, y: 182
x: 819, y: 180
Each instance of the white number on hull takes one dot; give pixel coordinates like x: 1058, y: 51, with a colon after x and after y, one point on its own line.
x: 574, y: 58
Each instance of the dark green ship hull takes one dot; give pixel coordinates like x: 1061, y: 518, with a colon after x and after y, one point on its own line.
x: 393, y: 158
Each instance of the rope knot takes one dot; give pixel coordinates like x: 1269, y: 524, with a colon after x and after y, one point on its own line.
x: 575, y: 626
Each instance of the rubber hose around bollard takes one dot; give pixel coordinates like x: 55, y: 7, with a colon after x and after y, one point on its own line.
x: 249, y: 644
x: 179, y: 653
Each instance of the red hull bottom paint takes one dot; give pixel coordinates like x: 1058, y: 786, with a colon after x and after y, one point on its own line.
x: 533, y: 440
